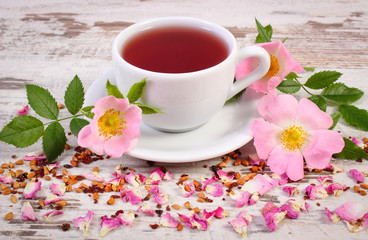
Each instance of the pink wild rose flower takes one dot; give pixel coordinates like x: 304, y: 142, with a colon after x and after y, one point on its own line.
x: 290, y: 131
x: 114, y: 128
x: 281, y: 65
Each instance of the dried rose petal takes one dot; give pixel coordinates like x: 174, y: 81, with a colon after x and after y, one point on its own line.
x: 324, y: 179
x: 155, y: 176
x: 167, y: 221
x: 58, y: 188
x: 115, y: 181
x: 194, y: 222
x: 23, y: 110
x: 254, y: 159
x: 206, y: 182
x: 215, y: 190
x: 254, y: 198
x: 31, y: 189
x: 336, y: 189
x: 291, y: 190
x: 82, y: 223
x: 293, y: 208
x: 135, y: 180
x: 357, y: 142
x: 168, y: 176
x: 352, y: 211
x: 283, y: 178
x: 117, y: 171
x: 333, y: 217
x: 153, y: 189
x: 123, y: 195
x: 161, y: 198
x: 358, y: 225
x: 359, y: 177
x: 52, y: 213
x: 94, y: 176
x: 241, y: 223
x: 225, y: 176
x: 27, y: 212
x: 272, y: 215
x: 37, y: 155
x: 217, y: 213
x: 6, y: 177
x: 52, y: 199
x: 316, y: 192
x: 108, y: 224
x: 186, y: 186
x: 126, y: 219
x: 261, y: 184
x: 51, y: 166
x: 146, y: 208
x: 240, y: 199
x: 134, y: 196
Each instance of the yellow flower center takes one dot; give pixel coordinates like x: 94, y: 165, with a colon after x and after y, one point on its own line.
x: 274, y: 67
x: 293, y: 137
x: 111, y: 123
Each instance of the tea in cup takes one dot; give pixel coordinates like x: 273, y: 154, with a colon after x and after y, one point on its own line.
x: 189, y: 65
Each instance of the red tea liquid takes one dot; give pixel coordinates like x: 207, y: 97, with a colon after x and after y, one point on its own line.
x: 175, y: 50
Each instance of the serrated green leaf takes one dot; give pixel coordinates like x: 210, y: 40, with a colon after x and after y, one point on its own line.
x: 74, y: 96
x: 288, y: 86
x: 147, y: 109
x: 354, y: 116
x: 335, y: 117
x: 235, y: 97
x: 113, y: 90
x: 310, y: 69
x: 53, y: 141
x: 351, y: 151
x: 136, y: 91
x: 319, y: 101
x: 292, y: 76
x: 264, y: 34
x: 42, y: 102
x: 339, y: 92
x: 22, y: 131
x: 322, y: 79
x: 76, y: 124
x: 87, y: 111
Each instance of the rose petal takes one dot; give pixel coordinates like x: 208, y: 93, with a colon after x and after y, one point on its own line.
x: 134, y: 196
x: 146, y: 208
x: 314, y: 118
x: 272, y: 215
x: 225, y: 176
x: 191, y: 189
x: 336, y: 189
x: 126, y: 219
x: 58, y: 188
x: 52, y: 199
x: 94, y: 176
x: 241, y: 223
x: 31, y: 189
x: 167, y: 221
x: 6, y: 177
x: 108, y: 224
x: 215, y: 190
x: 240, y: 199
x: 27, y: 212
x: 352, y: 211
x: 358, y: 176
x: 23, y: 110
x: 316, y: 192
x: 52, y: 213
x: 161, y: 198
x: 291, y: 190
x: 82, y: 223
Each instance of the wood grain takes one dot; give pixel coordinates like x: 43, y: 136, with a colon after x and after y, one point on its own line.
x: 48, y: 42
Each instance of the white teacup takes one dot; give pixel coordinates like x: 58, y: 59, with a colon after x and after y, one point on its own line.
x: 187, y: 99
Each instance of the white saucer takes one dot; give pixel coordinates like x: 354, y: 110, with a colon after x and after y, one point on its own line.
x: 228, y: 130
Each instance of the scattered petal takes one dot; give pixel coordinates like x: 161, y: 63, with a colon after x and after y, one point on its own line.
x: 254, y: 198
x: 27, y: 212
x: 167, y: 221
x: 187, y: 189
x: 82, y: 223
x: 206, y: 182
x: 155, y: 176
x: 254, y: 159
x: 352, y: 211
x: 117, y: 171
x: 218, y: 213
x: 52, y: 199
x: 358, y: 225
x: 336, y: 189
x: 31, y: 189
x: 293, y: 207
x: 333, y: 217
x: 272, y: 215
x: 134, y: 196
x: 153, y: 189
x: 240, y: 199
x: 58, y: 188
x: 23, y: 110
x: 194, y: 222
x: 168, y: 176
x: 215, y: 190
x: 316, y: 192
x: 135, y: 180
x: 6, y: 177
x: 261, y: 184
x: 241, y: 223
x: 291, y: 190
x: 126, y: 219
x: 52, y: 213
x: 161, y: 198
x: 37, y: 155
x: 146, y: 208
x: 108, y: 224
x: 225, y: 176
x: 94, y: 176
x: 359, y: 177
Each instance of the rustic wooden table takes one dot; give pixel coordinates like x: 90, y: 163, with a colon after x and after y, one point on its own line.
x: 48, y: 42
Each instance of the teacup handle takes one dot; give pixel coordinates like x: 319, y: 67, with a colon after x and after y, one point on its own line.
x: 259, y: 72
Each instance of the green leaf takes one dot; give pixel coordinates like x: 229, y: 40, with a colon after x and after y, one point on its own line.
x: 22, y: 131
x: 354, y: 116
x: 351, y: 151
x: 136, y: 91
x: 42, y: 102
x: 335, y: 117
x: 87, y: 111
x: 74, y: 96
x: 147, y: 109
x: 339, y: 92
x: 112, y: 90
x: 76, y: 124
x: 319, y: 101
x: 310, y: 69
x: 53, y: 141
x: 322, y: 79
x: 264, y: 33
x: 235, y: 97
x: 292, y: 76
x: 288, y: 86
